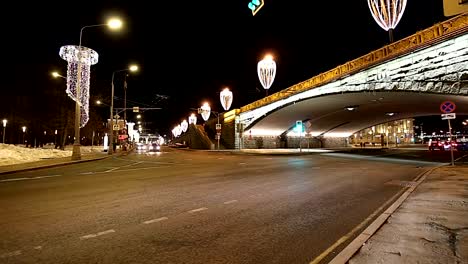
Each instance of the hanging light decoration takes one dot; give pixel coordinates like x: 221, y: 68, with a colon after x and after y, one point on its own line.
x: 184, y: 126
x: 205, y: 111
x: 266, y: 70
x: 88, y: 57
x: 226, y: 98
x: 387, y: 13
x: 192, y: 119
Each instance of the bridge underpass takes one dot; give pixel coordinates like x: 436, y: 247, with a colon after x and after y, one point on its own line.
x: 408, y: 78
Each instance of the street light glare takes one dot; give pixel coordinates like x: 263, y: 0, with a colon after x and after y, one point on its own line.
x: 133, y: 68
x: 98, y: 102
x: 114, y: 23
x: 55, y: 74
x: 269, y: 57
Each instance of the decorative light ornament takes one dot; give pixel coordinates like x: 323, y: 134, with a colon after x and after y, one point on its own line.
x: 226, y: 98
x: 266, y: 70
x: 88, y: 57
x: 205, y: 111
x: 387, y: 13
x: 178, y: 130
x: 192, y: 119
x: 184, y: 126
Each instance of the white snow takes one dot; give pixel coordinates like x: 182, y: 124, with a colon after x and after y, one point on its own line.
x: 11, y: 154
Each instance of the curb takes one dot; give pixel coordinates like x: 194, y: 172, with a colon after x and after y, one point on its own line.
x: 350, y: 250
x: 52, y: 165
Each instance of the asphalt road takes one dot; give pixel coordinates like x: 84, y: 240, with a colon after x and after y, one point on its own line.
x: 194, y: 207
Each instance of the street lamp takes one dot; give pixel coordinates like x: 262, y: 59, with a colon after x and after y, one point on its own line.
x: 113, y: 23
x: 266, y: 70
x: 111, y: 134
x: 387, y: 14
x: 4, y: 127
x: 24, y: 132
x: 57, y: 75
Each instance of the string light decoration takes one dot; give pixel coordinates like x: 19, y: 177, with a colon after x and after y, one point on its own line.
x: 226, y: 98
x: 205, y: 111
x: 88, y: 57
x: 266, y: 70
x: 387, y: 13
x: 192, y: 119
x: 184, y: 126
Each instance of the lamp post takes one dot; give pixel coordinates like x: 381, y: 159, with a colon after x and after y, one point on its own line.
x: 113, y: 23
x: 4, y: 127
x: 24, y: 132
x: 266, y: 70
x: 111, y: 127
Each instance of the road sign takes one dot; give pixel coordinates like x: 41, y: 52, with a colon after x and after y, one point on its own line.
x: 448, y: 116
x: 455, y: 7
x: 136, y: 109
x: 447, y: 107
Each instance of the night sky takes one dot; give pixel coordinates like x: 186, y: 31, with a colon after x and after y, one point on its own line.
x: 187, y: 50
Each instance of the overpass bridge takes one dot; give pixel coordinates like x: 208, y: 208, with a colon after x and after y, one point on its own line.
x: 405, y: 79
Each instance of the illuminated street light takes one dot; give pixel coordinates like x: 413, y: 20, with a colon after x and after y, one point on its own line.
x: 24, y: 132
x: 226, y: 98
x: 57, y: 75
x: 4, y: 127
x: 266, y: 70
x: 131, y: 68
x: 205, y: 111
x: 192, y: 119
x: 138, y: 116
x: 184, y: 126
x: 76, y: 87
x: 387, y: 13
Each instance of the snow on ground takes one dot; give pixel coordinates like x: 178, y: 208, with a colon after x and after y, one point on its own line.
x: 16, y: 154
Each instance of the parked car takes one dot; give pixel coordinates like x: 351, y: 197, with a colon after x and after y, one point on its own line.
x: 436, y: 145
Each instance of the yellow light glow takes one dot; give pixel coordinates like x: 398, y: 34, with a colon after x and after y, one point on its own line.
x: 55, y: 74
x: 133, y: 68
x: 98, y: 102
x: 268, y: 57
x: 114, y: 23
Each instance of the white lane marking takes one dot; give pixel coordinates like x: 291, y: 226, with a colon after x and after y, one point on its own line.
x: 220, y: 158
x: 155, y: 220
x: 135, y: 169
x: 242, y: 163
x: 136, y: 163
x: 113, y: 169
x: 197, y: 210
x: 86, y: 173
x: 11, y: 254
x: 38, y: 247
x: 32, y: 178
x: 97, y: 234
x: 230, y: 202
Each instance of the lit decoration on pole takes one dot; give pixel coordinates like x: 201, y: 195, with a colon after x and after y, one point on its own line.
x: 205, y: 111
x: 226, y: 98
x: 255, y: 5
x: 387, y: 13
x: 184, y: 126
x: 266, y: 70
x: 192, y: 119
x: 88, y: 57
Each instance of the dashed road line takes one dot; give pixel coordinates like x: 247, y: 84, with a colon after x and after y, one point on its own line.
x: 155, y: 220
x: 38, y: 248
x: 242, y: 163
x: 230, y: 202
x: 111, y: 170
x: 97, y: 234
x: 197, y: 210
x: 87, y: 173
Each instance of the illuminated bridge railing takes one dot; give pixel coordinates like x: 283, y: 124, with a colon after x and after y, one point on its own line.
x: 435, y: 34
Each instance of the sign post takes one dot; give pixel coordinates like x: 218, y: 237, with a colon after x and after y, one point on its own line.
x: 218, y: 133
x: 447, y: 107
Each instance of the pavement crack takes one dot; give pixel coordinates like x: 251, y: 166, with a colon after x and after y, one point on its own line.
x: 452, y: 235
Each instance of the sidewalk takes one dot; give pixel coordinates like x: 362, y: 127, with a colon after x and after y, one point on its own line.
x: 430, y: 226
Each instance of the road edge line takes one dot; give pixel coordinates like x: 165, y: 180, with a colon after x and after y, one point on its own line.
x: 350, y: 250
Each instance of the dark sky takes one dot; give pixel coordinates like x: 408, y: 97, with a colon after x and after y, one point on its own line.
x: 190, y: 50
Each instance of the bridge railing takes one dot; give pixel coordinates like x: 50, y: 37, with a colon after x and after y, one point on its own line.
x: 430, y: 36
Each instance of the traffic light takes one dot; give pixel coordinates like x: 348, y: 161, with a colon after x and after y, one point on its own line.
x: 255, y: 5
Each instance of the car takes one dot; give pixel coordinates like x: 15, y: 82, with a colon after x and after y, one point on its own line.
x: 436, y: 145
x: 154, y: 147
x: 140, y: 147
